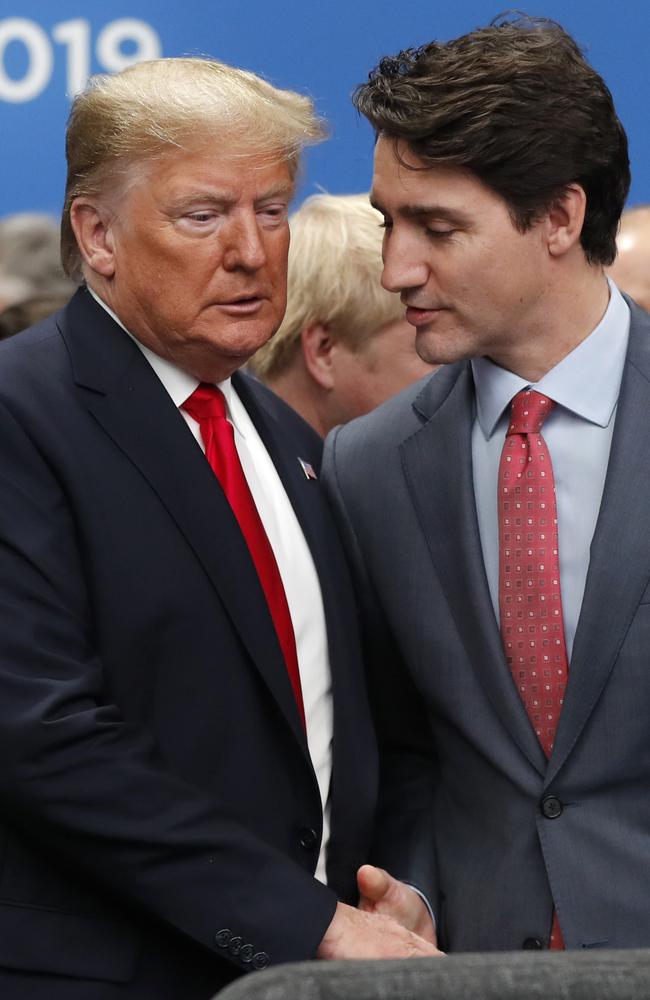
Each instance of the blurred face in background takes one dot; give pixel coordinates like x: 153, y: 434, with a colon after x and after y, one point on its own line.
x: 386, y: 363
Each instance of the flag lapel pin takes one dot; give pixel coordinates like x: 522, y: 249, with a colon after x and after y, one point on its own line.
x: 307, y: 468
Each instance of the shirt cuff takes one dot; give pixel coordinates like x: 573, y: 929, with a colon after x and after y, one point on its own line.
x: 424, y: 900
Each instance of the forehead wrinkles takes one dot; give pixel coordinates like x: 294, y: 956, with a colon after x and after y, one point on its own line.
x: 224, y: 180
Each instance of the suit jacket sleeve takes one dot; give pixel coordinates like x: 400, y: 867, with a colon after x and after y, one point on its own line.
x: 403, y: 843
x: 92, y: 789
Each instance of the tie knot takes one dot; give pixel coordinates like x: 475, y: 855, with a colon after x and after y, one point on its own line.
x: 529, y: 411
x: 206, y: 402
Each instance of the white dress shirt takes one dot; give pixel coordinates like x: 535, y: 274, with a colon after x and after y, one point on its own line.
x: 294, y: 560
x: 585, y: 386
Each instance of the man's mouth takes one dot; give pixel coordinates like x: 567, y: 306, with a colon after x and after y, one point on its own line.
x: 418, y: 316
x: 242, y: 305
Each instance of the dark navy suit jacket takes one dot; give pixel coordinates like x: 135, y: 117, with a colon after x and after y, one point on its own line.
x: 160, y: 819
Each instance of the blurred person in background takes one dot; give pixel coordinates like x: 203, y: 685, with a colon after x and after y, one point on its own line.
x: 344, y: 345
x: 30, y: 259
x: 28, y: 311
x: 631, y: 269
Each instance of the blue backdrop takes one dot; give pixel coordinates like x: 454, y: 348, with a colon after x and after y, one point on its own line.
x: 48, y: 47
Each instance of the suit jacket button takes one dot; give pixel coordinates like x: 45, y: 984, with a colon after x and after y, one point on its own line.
x: 223, y: 938
x: 234, y: 946
x: 308, y: 838
x: 551, y: 807
x: 260, y: 960
x: 246, y: 954
x: 532, y: 944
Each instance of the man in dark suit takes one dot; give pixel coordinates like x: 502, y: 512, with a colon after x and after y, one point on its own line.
x: 177, y: 635
x: 498, y: 511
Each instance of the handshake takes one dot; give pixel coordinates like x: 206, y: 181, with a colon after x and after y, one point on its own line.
x: 392, y: 921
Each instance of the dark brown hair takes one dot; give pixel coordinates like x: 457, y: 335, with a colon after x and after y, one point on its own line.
x: 518, y: 105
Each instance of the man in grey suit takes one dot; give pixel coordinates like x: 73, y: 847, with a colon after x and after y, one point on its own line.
x: 497, y: 513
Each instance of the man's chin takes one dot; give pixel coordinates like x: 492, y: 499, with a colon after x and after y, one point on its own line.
x: 431, y: 348
x: 443, y: 343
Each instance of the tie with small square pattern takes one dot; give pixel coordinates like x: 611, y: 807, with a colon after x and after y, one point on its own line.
x: 530, y: 603
x: 208, y: 407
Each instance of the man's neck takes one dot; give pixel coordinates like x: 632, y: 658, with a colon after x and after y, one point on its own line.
x: 570, y: 312
x: 299, y: 390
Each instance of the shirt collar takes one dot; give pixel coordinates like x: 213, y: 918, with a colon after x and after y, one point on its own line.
x: 178, y: 383
x: 587, y: 381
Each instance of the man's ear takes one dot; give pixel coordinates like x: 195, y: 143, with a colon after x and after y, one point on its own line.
x: 565, y: 220
x: 91, y: 224
x: 317, y: 345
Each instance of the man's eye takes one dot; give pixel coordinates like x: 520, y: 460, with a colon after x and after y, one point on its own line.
x: 440, y: 234
x: 277, y: 213
x: 201, y: 216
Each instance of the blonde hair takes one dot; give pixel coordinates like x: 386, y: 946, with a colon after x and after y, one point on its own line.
x: 335, y: 268
x: 139, y: 114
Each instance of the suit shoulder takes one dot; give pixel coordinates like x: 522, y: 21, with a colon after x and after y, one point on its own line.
x: 31, y: 353
x: 36, y: 334
x: 639, y: 342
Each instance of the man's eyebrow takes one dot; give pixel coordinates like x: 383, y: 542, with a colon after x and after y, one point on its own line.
x: 425, y: 212
x: 223, y: 199
x: 204, y: 196
x: 281, y: 190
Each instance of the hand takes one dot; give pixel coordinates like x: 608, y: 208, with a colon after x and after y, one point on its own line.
x: 355, y: 934
x: 381, y: 893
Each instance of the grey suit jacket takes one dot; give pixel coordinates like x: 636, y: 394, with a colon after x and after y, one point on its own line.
x: 471, y: 810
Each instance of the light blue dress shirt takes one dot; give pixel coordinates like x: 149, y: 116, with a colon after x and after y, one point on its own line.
x: 585, y: 385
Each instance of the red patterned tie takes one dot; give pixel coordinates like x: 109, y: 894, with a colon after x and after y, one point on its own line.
x: 530, y: 603
x: 208, y: 407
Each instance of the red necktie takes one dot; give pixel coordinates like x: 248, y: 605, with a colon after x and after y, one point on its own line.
x: 208, y: 407
x: 530, y: 602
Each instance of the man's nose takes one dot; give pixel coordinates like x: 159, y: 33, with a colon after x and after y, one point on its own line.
x: 244, y: 246
x: 404, y: 266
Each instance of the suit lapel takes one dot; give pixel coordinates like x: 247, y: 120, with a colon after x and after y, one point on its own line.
x: 304, y: 493
x: 314, y: 517
x: 437, y: 463
x: 286, y: 459
x: 130, y: 403
x: 619, y: 566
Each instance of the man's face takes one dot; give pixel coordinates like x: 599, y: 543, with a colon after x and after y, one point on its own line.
x: 386, y: 363
x: 472, y: 283
x: 200, y: 257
